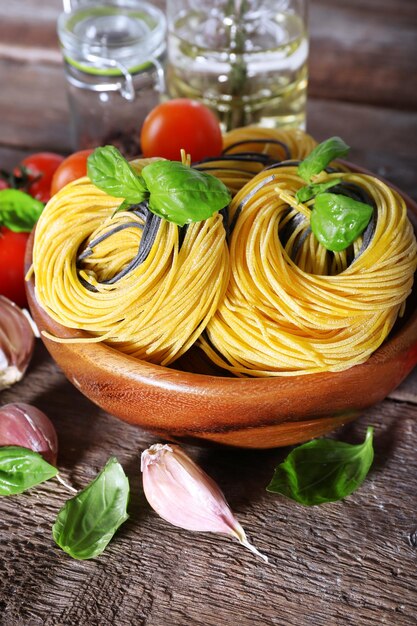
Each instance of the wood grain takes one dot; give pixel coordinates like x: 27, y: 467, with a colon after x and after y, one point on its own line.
x: 365, y: 53
x: 345, y: 563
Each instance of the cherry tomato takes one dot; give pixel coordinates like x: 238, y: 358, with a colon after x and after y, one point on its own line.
x: 73, y: 167
x: 12, y: 254
x: 3, y: 184
x: 41, y: 167
x: 181, y: 123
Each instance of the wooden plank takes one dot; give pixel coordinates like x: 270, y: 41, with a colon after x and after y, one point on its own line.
x: 364, y: 53
x: 9, y: 157
x: 407, y: 391
x: 33, y: 108
x: 347, y: 563
x: 378, y: 129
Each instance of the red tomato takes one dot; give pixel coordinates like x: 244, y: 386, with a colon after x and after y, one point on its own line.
x: 41, y: 167
x: 73, y: 167
x: 181, y: 123
x: 3, y: 184
x: 12, y: 253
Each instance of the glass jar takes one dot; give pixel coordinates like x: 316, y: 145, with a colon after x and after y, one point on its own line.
x: 113, y: 54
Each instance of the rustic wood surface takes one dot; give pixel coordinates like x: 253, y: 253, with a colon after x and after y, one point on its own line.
x: 347, y: 563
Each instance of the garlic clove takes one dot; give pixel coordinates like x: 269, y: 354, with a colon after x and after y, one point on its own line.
x: 16, y: 343
x: 184, y: 495
x: 26, y: 426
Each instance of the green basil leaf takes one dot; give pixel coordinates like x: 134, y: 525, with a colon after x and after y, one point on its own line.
x: 310, y: 191
x: 18, y: 210
x: 337, y: 220
x: 181, y: 194
x: 21, y: 469
x: 323, y: 470
x: 321, y: 156
x: 88, y: 521
x: 109, y: 171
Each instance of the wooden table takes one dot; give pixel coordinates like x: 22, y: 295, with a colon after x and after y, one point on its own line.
x: 348, y: 563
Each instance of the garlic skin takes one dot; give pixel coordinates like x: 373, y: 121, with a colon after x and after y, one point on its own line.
x: 26, y: 426
x: 16, y: 343
x: 184, y: 495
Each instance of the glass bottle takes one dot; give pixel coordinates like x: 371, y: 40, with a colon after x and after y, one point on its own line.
x: 246, y: 59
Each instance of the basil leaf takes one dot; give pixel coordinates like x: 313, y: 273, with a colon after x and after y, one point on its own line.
x: 87, y: 522
x: 321, y: 156
x: 18, y: 210
x: 337, y: 220
x: 110, y: 172
x: 181, y: 194
x: 323, y: 470
x: 310, y: 191
x: 21, y: 469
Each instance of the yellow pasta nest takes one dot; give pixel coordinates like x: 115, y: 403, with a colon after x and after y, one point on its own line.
x: 291, y: 306
x: 157, y: 310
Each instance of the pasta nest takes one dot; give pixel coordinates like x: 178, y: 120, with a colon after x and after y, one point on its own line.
x: 157, y: 309
x: 291, y: 306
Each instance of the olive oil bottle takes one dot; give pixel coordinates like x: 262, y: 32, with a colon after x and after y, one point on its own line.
x: 250, y: 66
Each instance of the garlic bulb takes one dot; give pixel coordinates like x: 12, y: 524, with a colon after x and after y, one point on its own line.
x: 16, y: 343
x: 26, y: 426
x: 184, y: 495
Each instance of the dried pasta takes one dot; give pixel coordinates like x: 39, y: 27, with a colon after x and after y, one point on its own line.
x: 248, y: 150
x: 252, y: 285
x: 99, y: 271
x: 291, y: 306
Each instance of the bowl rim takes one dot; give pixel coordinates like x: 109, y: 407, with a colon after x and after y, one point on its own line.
x: 404, y: 338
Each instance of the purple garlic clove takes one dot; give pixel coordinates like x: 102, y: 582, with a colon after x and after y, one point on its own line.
x: 16, y: 343
x: 184, y: 495
x: 26, y: 426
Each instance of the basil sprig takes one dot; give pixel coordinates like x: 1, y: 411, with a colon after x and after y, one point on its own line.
x: 321, y: 156
x: 21, y: 469
x: 323, y: 470
x: 87, y: 522
x: 181, y: 194
x: 337, y: 220
x: 310, y: 191
x: 178, y: 193
x: 18, y: 210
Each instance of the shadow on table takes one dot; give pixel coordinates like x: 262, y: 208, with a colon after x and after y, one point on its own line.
x: 385, y: 439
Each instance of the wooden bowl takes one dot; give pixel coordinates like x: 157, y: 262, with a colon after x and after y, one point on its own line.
x: 249, y: 412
